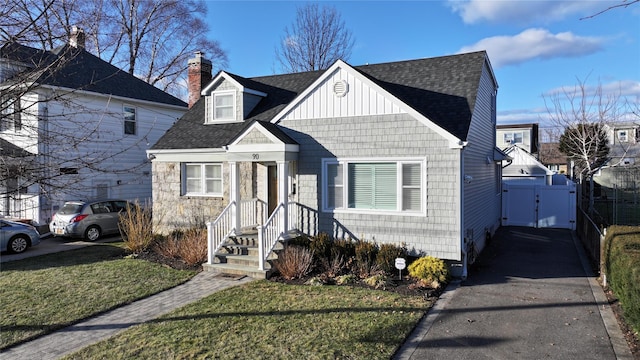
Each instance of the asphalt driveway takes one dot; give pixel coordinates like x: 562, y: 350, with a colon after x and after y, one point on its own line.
x: 529, y: 296
x: 49, y: 245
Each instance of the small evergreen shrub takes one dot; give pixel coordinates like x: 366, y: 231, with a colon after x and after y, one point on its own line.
x: 343, y: 247
x: 430, y: 270
x: 301, y: 240
x: 387, y: 255
x: 294, y: 262
x: 365, y: 259
x: 321, y: 246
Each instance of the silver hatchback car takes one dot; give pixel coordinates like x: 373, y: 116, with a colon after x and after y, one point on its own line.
x: 16, y: 237
x: 88, y: 219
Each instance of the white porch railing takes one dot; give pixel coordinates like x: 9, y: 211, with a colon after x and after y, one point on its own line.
x: 269, y: 234
x: 253, y: 212
x: 218, y: 230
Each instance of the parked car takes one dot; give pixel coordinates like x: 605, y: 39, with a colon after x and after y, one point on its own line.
x: 88, y: 219
x: 16, y: 237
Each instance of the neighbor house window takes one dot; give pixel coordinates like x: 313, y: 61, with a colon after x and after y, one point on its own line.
x: 224, y: 106
x: 513, y: 138
x: 11, y: 114
x: 622, y: 136
x: 386, y: 186
x: 202, y: 179
x: 129, y: 120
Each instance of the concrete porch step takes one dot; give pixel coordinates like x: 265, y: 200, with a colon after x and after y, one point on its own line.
x: 235, y: 269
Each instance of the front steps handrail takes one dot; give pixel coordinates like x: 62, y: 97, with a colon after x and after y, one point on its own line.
x: 218, y: 230
x: 269, y: 234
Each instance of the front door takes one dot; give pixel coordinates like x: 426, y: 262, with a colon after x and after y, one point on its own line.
x: 272, y: 188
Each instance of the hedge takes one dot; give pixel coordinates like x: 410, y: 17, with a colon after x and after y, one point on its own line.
x: 621, y: 257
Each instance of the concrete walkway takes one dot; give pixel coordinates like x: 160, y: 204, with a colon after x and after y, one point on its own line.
x: 531, y: 295
x: 74, y: 338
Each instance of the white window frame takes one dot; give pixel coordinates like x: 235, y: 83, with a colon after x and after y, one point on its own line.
x: 623, y: 135
x: 212, y: 107
x: 399, y: 186
x: 203, y: 179
x: 125, y: 120
x: 509, y: 137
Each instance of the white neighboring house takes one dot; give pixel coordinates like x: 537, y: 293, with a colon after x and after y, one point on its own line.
x: 83, y: 127
x: 523, y: 168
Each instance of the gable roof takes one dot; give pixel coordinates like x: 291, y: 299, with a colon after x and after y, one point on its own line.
x: 77, y: 69
x: 9, y: 150
x: 442, y: 89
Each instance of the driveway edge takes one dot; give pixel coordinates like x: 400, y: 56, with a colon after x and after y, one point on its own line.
x: 618, y: 342
x: 407, y: 349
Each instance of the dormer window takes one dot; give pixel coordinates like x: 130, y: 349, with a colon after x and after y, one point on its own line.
x: 224, y: 108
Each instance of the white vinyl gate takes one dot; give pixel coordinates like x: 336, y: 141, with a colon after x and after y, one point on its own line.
x: 541, y: 206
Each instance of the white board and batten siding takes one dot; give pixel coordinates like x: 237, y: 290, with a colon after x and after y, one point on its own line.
x: 359, y: 100
x: 540, y: 206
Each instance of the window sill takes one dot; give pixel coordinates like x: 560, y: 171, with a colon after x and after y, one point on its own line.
x: 376, y: 212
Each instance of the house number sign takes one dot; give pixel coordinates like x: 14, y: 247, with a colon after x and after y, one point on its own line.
x: 255, y: 156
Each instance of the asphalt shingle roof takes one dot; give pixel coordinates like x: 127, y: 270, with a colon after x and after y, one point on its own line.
x: 443, y: 89
x: 78, y: 69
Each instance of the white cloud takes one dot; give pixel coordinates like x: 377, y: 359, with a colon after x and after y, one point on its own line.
x: 524, y: 12
x: 535, y: 44
x: 628, y: 89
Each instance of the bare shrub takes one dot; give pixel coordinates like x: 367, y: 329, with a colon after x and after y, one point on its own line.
x: 365, y: 259
x: 294, y: 262
x: 189, y: 246
x: 136, y: 228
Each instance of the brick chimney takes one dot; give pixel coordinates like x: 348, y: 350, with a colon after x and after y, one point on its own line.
x: 77, y: 38
x: 199, y: 76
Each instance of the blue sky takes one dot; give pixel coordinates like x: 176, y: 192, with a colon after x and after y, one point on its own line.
x: 535, y: 47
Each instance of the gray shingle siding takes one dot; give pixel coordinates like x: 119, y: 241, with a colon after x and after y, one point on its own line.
x: 369, y: 137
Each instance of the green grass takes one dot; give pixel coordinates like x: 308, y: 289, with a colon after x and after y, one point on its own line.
x: 45, y: 293
x: 266, y: 320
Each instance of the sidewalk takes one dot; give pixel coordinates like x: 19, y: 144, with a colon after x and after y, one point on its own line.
x: 531, y: 295
x: 75, y: 337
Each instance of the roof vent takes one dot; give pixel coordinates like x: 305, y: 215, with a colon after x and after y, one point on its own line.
x: 340, y: 88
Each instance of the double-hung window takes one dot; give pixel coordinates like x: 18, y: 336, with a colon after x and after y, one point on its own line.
x: 379, y: 186
x: 129, y: 113
x: 224, y: 106
x: 202, y: 179
x: 10, y: 114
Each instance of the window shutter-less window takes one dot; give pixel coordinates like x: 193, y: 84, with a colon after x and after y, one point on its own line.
x: 213, y: 179
x: 335, y: 186
x: 193, y: 178
x: 411, y: 187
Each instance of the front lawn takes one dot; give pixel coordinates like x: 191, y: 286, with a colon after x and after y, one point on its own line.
x: 49, y: 292
x: 268, y: 320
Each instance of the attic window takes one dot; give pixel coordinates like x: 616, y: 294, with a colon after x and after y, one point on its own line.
x: 340, y: 88
x: 223, y: 106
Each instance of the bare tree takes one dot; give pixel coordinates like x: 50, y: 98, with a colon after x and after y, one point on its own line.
x: 150, y: 39
x: 316, y: 40
x: 55, y: 138
x: 583, y: 114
